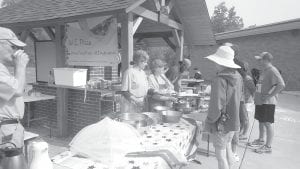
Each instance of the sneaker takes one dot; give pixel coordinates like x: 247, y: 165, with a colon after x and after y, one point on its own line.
x: 256, y: 143
x: 236, y: 157
x: 263, y: 149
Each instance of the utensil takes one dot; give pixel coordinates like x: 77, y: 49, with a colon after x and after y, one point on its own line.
x: 13, y: 159
x: 156, y: 117
x: 183, y: 105
x: 171, y: 116
x: 137, y: 120
x: 161, y: 109
x: 171, y: 160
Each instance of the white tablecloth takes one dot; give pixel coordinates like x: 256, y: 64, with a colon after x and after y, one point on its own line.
x: 175, y: 138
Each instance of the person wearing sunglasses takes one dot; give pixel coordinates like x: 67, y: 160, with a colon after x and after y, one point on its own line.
x: 11, y: 89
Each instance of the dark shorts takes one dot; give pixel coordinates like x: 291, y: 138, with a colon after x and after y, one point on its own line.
x: 265, y: 113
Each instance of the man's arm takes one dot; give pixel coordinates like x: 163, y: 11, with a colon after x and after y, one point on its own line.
x: 20, y: 59
x: 278, y: 82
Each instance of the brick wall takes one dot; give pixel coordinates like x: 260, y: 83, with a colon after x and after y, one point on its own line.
x: 46, y: 108
x: 80, y: 114
x: 284, y: 46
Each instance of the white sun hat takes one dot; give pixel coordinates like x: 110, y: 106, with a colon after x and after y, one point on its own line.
x: 224, y: 56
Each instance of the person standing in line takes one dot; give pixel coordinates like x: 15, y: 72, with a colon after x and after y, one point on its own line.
x: 235, y: 139
x: 249, y: 89
x: 135, y: 84
x: 223, y: 113
x: 269, y: 85
x: 11, y: 89
x: 255, y: 75
x: 177, y: 72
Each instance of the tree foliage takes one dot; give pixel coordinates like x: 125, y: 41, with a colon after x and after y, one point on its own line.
x: 225, y: 19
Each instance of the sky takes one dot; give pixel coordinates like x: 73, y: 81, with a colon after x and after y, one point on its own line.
x: 261, y: 12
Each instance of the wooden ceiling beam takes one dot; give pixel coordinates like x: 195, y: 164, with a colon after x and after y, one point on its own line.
x: 134, y: 5
x: 141, y: 11
x: 176, y: 37
x: 49, y: 32
x: 153, y: 34
x: 32, y: 36
x: 170, y: 43
x: 137, y: 22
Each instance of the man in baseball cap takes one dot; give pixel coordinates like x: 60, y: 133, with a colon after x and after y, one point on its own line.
x: 9, y: 35
x: 11, y: 89
x: 268, y: 86
x: 264, y: 56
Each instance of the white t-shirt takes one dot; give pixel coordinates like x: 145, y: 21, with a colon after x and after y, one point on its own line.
x: 10, y: 106
x: 135, y: 82
x: 156, y: 81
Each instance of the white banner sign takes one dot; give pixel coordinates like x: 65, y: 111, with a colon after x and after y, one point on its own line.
x: 96, y: 46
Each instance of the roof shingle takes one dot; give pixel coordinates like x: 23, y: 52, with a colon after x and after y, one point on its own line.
x: 39, y: 10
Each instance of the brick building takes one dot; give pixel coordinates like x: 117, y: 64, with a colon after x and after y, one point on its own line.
x: 281, y: 39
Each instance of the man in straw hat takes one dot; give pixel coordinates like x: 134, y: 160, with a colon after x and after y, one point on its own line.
x: 11, y: 89
x: 269, y: 84
x: 223, y: 113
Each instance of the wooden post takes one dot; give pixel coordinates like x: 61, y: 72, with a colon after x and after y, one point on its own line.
x: 179, y: 49
x: 61, y: 93
x: 181, y: 44
x: 127, y: 40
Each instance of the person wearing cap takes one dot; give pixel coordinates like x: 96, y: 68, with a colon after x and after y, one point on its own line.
x: 11, y: 89
x: 223, y: 113
x: 135, y: 84
x: 161, y: 87
x: 270, y: 83
x: 179, y: 71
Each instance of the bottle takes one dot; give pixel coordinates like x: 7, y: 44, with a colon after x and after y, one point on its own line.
x: 13, y: 159
x: 40, y: 156
x: 51, y: 77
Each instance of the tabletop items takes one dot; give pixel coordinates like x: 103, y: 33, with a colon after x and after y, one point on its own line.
x: 162, y: 146
x: 40, y: 157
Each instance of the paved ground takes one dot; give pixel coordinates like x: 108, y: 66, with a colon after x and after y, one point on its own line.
x: 286, y: 144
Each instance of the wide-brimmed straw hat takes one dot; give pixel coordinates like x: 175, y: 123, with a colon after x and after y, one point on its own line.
x: 9, y: 35
x: 224, y: 56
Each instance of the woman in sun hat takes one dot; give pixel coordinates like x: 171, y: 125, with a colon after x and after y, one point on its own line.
x: 223, y: 114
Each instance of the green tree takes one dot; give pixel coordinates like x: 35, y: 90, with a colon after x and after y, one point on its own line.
x: 225, y: 19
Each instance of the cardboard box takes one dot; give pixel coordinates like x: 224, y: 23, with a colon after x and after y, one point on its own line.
x: 70, y: 76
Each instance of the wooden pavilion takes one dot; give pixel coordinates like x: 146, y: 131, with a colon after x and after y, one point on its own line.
x: 175, y: 23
